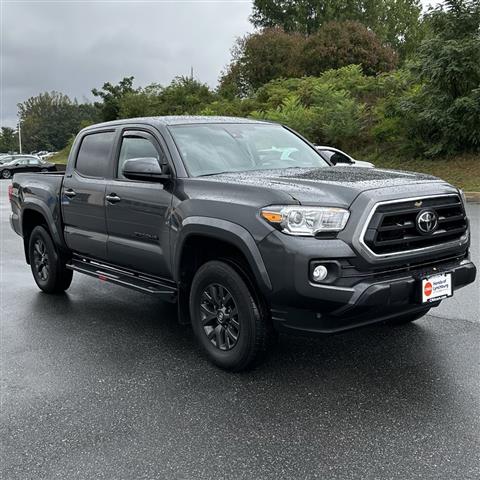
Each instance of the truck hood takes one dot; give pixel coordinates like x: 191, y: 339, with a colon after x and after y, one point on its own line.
x: 335, y: 186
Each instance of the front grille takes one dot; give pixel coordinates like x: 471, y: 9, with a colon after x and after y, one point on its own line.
x: 393, y: 227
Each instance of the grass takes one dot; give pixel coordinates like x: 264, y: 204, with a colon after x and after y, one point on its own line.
x: 61, y: 157
x: 462, y: 171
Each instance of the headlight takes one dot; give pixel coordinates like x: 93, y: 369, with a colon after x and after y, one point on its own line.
x: 306, y: 221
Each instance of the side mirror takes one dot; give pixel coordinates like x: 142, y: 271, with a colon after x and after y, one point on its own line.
x: 146, y: 168
x: 340, y: 160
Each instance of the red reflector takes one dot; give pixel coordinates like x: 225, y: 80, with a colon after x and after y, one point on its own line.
x: 10, y: 192
x: 103, y: 278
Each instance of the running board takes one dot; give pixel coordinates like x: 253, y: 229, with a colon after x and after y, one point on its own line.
x: 135, y: 281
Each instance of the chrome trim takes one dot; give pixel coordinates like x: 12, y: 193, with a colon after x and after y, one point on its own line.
x: 415, y: 250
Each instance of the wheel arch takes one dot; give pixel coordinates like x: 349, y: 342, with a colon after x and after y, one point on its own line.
x: 34, y: 215
x: 223, y: 232
x: 202, y: 239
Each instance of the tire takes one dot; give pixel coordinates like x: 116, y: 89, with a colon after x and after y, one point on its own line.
x: 49, y: 272
x: 6, y: 174
x: 235, y: 339
x: 44, y: 170
x: 411, y: 317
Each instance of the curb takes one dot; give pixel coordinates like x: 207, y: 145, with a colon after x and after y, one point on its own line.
x: 472, y: 196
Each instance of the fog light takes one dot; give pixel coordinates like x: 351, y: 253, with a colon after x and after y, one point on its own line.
x: 319, y: 273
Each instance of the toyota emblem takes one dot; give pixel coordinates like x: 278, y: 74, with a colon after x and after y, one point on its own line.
x: 427, y: 222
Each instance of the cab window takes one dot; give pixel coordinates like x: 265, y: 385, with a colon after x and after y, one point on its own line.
x: 94, y: 154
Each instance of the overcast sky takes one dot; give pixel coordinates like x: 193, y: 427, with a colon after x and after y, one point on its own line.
x: 74, y: 46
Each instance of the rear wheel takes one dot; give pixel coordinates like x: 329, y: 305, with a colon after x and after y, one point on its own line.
x: 48, y: 270
x: 226, y: 320
x: 411, y: 317
x: 6, y: 174
x: 44, y: 170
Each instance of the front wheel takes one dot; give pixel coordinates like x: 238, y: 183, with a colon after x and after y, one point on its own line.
x: 226, y: 320
x: 49, y: 272
x: 6, y: 174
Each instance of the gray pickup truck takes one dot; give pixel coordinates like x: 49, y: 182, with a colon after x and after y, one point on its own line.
x: 246, y: 227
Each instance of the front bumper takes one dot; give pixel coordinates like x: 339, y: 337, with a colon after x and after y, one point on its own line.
x: 357, y: 296
x: 370, y: 302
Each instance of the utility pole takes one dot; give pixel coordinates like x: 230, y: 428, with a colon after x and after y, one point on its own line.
x: 19, y: 135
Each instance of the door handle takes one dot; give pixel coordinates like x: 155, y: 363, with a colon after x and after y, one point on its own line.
x: 70, y: 193
x: 113, y: 198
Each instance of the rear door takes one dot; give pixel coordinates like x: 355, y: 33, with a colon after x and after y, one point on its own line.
x: 83, y: 194
x: 137, y: 211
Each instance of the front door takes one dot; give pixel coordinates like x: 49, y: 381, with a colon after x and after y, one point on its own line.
x: 137, y: 211
x: 83, y: 195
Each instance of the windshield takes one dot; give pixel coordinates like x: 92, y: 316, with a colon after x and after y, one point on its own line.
x: 218, y: 148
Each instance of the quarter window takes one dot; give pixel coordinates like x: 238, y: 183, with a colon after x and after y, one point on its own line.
x: 93, y: 156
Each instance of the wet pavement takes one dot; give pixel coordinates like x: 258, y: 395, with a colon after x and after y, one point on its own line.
x: 102, y: 383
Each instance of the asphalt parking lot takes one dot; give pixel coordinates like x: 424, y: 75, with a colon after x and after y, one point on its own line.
x: 102, y: 383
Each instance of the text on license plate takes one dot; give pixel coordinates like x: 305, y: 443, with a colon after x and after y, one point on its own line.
x: 436, y: 287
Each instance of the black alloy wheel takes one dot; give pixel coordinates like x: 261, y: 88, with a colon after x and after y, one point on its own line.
x: 41, y: 261
x: 219, y: 316
x: 230, y: 324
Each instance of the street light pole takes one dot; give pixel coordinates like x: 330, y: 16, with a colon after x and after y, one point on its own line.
x: 19, y: 135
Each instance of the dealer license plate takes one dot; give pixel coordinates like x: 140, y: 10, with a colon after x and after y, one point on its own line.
x: 436, y: 287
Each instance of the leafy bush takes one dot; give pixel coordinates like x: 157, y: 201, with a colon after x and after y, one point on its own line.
x: 316, y: 107
x: 338, y: 44
x: 260, y: 57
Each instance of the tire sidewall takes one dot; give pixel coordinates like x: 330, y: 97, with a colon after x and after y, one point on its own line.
x: 9, y: 174
x: 223, y: 274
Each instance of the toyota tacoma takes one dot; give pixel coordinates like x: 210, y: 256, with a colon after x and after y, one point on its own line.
x: 246, y: 227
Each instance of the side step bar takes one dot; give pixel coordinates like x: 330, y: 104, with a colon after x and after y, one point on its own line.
x: 133, y: 280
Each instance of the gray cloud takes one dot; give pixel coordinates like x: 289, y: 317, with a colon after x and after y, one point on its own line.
x: 75, y: 46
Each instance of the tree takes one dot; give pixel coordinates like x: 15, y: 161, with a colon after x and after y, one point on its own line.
x: 8, y: 140
x: 111, y: 96
x: 338, y: 44
x: 396, y: 22
x: 443, y: 113
x: 184, y: 96
x: 261, y: 57
x: 50, y: 119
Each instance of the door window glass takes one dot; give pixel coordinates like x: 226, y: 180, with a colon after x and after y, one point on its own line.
x: 93, y: 156
x: 135, y: 147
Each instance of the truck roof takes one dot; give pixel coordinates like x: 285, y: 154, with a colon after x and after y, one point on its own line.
x: 179, y: 120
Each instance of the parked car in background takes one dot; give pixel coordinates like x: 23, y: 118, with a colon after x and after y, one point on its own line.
x: 336, y: 156
x: 41, y: 153
x: 48, y: 155
x: 24, y: 163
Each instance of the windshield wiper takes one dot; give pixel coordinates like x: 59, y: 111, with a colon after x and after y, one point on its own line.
x: 219, y: 173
